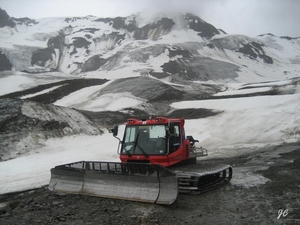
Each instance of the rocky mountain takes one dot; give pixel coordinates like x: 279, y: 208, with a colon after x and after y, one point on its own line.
x: 165, y: 45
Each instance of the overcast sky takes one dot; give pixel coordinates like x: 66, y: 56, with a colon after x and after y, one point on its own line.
x: 249, y: 17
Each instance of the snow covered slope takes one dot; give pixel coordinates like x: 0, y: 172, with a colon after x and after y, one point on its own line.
x: 227, y: 125
x: 160, y: 46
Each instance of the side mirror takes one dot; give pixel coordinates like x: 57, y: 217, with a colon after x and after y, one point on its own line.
x: 114, y: 130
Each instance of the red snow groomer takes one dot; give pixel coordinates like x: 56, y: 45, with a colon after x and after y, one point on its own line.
x: 147, y: 148
x: 157, y: 140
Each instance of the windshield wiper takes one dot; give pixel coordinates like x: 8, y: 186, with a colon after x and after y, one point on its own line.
x: 137, y: 144
x: 127, y: 152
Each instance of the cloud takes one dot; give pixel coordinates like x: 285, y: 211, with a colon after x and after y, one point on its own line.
x: 249, y: 17
x: 254, y: 17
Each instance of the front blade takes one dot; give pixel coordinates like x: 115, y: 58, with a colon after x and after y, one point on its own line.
x: 135, y: 182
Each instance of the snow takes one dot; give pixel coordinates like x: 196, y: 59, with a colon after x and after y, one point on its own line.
x: 17, y: 81
x: 111, y: 102
x: 32, y: 35
x: 33, y: 170
x: 244, y: 178
x: 89, y: 99
x: 261, y: 121
x: 244, y: 91
x: 41, y: 92
x: 114, y: 102
x: 13, y: 83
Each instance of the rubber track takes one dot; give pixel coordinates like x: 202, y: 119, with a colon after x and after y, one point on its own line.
x: 220, y: 181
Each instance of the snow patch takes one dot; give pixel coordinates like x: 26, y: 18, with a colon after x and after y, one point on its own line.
x: 13, y: 83
x: 41, y: 92
x: 89, y: 100
x: 252, y: 120
x: 32, y: 171
x: 243, y: 177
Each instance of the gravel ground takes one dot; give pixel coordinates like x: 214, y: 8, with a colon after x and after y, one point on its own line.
x: 275, y: 202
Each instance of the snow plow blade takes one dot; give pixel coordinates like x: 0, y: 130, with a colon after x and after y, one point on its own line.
x: 128, y: 181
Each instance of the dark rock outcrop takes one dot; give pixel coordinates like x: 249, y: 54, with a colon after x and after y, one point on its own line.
x: 42, y: 56
x: 205, y: 30
x: 4, y: 62
x: 154, y: 30
x: 254, y: 50
x: 56, y: 42
x: 80, y: 42
x: 5, y: 19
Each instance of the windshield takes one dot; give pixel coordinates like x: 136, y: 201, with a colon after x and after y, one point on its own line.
x: 145, y: 139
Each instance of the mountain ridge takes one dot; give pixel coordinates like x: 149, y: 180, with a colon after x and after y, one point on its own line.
x: 182, y: 44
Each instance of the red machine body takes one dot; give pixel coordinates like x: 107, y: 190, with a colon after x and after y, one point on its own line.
x: 156, y: 140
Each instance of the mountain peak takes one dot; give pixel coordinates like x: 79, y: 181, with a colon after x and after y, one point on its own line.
x: 160, y: 44
x: 5, y: 19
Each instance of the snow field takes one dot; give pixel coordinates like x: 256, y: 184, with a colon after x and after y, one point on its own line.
x: 33, y: 170
x: 245, y: 122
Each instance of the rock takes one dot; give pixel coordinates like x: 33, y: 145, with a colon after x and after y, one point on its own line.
x: 56, y: 203
x: 5, y: 64
x: 115, y: 209
x: 61, y: 218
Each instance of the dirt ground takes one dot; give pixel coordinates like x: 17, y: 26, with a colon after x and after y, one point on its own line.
x: 274, y: 202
